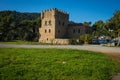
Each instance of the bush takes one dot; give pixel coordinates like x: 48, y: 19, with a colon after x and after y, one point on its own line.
x: 75, y: 42
x: 86, y: 38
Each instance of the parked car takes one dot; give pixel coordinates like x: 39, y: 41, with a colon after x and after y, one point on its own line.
x: 95, y: 41
x: 103, y: 41
x: 114, y: 42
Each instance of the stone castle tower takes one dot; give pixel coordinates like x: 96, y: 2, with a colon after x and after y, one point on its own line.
x: 53, y: 25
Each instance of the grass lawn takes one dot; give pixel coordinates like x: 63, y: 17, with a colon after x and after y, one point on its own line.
x: 55, y: 64
x: 21, y: 42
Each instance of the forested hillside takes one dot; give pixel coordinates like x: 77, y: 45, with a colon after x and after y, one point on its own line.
x: 19, y: 26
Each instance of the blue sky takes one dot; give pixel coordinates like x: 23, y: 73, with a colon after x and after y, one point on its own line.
x: 79, y: 10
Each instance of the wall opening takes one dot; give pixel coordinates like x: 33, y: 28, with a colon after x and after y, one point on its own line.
x: 73, y: 30
x: 59, y: 23
x: 58, y: 31
x: 45, y: 31
x: 49, y: 22
x: 78, y: 30
x: 46, y: 23
x: 49, y: 30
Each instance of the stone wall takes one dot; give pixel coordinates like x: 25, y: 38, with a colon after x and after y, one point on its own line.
x: 61, y: 19
x: 61, y: 41
x: 75, y: 31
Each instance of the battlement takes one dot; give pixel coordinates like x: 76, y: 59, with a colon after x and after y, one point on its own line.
x: 56, y: 10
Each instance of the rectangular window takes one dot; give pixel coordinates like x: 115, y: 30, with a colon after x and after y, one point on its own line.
x: 46, y: 23
x: 45, y: 31
x: 78, y: 30
x: 50, y: 22
x: 63, y: 24
x: 58, y: 31
x: 49, y: 30
x: 73, y: 30
x: 59, y: 23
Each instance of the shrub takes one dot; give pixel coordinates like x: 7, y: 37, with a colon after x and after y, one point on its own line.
x: 86, y: 38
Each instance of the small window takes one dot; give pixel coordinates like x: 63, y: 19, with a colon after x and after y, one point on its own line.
x: 78, y: 30
x: 49, y: 30
x: 63, y: 24
x: 59, y: 23
x: 45, y: 31
x: 50, y: 22
x: 45, y: 22
x: 42, y: 15
x: 58, y: 31
x: 73, y: 30
x: 47, y: 39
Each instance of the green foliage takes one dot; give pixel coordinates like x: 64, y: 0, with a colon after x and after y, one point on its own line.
x: 86, y: 38
x: 100, y: 29
x: 114, y: 24
x: 22, y: 26
x: 54, y: 64
x: 74, y: 41
x: 21, y: 42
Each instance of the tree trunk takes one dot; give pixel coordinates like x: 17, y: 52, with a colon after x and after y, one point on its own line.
x: 118, y: 39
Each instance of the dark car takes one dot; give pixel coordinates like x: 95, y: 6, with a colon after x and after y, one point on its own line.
x: 103, y: 41
x: 94, y: 41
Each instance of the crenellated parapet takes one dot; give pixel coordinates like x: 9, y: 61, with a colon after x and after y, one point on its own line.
x: 54, y: 12
x: 54, y: 9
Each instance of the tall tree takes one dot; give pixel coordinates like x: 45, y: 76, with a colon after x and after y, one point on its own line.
x: 15, y: 25
x: 6, y: 19
x: 114, y: 24
x: 99, y: 28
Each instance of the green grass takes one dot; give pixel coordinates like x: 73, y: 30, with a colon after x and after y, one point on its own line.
x: 21, y: 42
x: 55, y: 64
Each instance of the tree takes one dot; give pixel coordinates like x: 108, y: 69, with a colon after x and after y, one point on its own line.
x: 99, y: 28
x: 114, y: 24
x: 5, y: 25
x: 15, y: 25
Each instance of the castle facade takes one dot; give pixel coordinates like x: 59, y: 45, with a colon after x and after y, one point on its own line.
x: 56, y: 28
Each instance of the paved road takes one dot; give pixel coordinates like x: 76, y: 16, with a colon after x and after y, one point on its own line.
x: 97, y: 48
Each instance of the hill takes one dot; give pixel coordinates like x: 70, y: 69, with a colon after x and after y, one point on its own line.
x: 17, y: 25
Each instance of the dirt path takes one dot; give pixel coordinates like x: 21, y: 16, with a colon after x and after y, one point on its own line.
x: 114, y: 52
x: 97, y: 48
